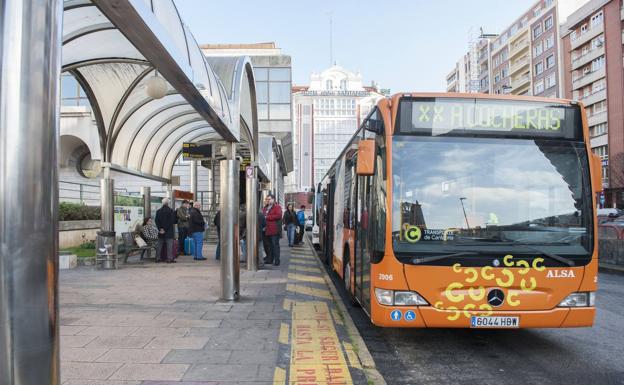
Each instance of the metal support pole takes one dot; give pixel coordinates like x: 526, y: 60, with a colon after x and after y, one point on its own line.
x: 107, y: 204
x: 251, y: 189
x: 30, y: 63
x: 194, y: 179
x: 230, y: 254
x: 146, y: 192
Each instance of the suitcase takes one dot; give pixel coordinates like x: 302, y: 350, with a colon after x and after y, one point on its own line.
x: 189, y: 246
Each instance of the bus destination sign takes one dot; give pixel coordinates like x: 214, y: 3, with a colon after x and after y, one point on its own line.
x: 440, y: 116
x: 196, y: 151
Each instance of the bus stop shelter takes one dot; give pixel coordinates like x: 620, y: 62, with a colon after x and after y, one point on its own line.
x: 151, y: 89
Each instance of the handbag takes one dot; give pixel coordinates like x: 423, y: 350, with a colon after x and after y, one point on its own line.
x: 139, y: 241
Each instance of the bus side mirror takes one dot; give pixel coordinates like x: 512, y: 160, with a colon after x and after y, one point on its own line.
x: 596, y: 173
x: 366, y: 157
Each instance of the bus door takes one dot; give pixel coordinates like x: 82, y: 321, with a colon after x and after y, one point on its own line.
x: 329, y: 222
x: 362, y: 274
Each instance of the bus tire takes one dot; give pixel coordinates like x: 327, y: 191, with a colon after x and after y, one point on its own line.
x: 346, y: 277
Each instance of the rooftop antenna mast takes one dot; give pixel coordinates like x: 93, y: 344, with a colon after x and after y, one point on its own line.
x: 331, y: 38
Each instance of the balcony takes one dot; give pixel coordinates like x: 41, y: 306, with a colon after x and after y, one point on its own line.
x: 594, y: 98
x: 598, y: 118
x: 518, y: 48
x: 520, y: 82
x: 518, y: 65
x: 588, y: 57
x: 586, y: 36
x: 588, y: 78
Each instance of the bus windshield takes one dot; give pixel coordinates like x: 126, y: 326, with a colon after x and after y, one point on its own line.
x: 467, y: 191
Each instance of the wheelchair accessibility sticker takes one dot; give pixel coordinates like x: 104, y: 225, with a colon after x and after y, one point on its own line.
x: 396, y: 315
x: 410, y: 315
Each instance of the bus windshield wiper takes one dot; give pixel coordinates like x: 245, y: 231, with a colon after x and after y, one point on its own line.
x: 556, y: 257
x: 418, y: 261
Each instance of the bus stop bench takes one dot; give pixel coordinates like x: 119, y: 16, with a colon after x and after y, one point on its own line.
x: 130, y: 246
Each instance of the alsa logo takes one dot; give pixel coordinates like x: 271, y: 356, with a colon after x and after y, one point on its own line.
x: 560, y: 274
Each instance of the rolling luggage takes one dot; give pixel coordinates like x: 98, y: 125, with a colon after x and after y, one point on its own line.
x: 189, y: 246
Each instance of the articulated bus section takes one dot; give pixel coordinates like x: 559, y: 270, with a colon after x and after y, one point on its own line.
x: 463, y: 211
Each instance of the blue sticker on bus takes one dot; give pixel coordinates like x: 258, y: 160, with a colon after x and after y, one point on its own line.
x: 410, y: 315
x: 396, y: 315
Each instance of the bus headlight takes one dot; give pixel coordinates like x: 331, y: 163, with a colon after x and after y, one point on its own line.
x: 384, y: 297
x: 399, y: 298
x: 407, y: 298
x: 579, y: 300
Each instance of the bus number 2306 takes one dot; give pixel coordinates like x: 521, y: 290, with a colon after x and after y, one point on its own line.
x: 385, y: 277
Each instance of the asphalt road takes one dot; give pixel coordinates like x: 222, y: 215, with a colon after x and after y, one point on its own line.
x: 527, y: 356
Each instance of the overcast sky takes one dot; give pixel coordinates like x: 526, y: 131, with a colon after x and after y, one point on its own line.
x: 404, y: 45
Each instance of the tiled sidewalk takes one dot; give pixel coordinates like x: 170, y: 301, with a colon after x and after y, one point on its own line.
x: 159, y: 324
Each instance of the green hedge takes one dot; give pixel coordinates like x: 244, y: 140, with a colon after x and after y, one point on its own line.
x: 78, y: 212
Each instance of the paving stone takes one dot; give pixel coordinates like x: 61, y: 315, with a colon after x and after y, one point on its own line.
x: 177, y: 343
x: 220, y: 372
x: 76, y: 341
x: 262, y: 357
x: 161, y: 332
x: 195, y: 323
x: 81, y: 354
x: 244, y: 324
x: 101, y: 382
x: 70, y: 330
x: 194, y: 356
x: 108, y: 331
x: 160, y: 372
x: 87, y: 370
x: 140, y: 356
x: 120, y: 342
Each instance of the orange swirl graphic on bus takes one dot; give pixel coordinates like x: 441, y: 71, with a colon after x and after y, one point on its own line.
x: 458, y: 291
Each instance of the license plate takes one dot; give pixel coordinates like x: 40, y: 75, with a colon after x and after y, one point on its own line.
x: 494, y: 322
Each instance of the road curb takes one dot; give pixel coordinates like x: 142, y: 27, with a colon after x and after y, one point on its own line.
x: 366, y: 359
x: 610, y: 268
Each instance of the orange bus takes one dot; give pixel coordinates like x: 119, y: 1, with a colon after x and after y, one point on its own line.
x: 464, y: 210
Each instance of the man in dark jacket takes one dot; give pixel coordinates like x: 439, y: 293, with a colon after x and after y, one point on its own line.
x: 183, y: 215
x: 197, y: 225
x: 273, y: 215
x: 217, y: 223
x: 165, y: 219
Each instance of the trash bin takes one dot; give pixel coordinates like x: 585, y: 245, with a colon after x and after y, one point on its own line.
x: 106, y: 250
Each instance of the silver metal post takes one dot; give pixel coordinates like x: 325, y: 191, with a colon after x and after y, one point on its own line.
x: 230, y: 259
x: 146, y: 192
x: 30, y: 54
x: 107, y: 204
x: 251, y: 189
x: 194, y: 178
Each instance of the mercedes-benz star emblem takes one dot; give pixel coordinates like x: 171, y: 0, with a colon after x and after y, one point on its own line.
x: 496, y: 297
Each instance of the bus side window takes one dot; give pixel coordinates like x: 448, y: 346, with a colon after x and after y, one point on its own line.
x: 377, y: 221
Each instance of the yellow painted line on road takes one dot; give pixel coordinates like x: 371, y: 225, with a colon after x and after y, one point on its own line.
x: 316, y: 353
x: 284, y: 332
x: 304, y: 269
x: 305, y: 278
x: 287, y: 304
x: 279, y: 376
x: 311, y: 291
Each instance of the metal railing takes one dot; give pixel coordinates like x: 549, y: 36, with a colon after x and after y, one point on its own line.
x: 87, y: 194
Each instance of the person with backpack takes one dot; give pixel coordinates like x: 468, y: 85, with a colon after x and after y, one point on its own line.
x: 301, y: 218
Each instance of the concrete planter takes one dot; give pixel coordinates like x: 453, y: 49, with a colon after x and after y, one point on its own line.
x: 73, y: 233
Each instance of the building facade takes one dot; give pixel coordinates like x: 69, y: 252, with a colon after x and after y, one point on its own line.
x: 592, y: 41
x: 326, y: 114
x: 273, y: 75
x: 524, y: 59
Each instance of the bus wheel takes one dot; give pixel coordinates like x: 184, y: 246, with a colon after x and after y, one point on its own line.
x: 346, y: 277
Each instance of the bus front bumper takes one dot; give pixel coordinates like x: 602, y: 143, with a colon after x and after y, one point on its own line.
x: 430, y: 317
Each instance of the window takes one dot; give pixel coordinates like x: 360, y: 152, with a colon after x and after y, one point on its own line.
x: 573, y: 36
x: 71, y: 92
x: 537, y: 11
x: 343, y: 84
x: 279, y: 111
x: 550, y: 61
x: 538, y: 49
x: 329, y: 85
x: 548, y: 3
x: 598, y: 41
x: 583, y: 28
x: 586, y: 92
x: 262, y: 92
x: 549, y: 42
x: 261, y: 74
x: 599, y: 85
x: 279, y: 74
x: 497, y: 78
x: 496, y: 61
x: 596, y: 19
x: 548, y: 23
x: 539, y: 87
x: 598, y: 63
x: 598, y: 129
x: 602, y: 152
x: 263, y: 111
x: 539, y: 68
x: 279, y: 92
x: 600, y: 107
x: 551, y: 80
x: 505, y: 72
x: 537, y: 31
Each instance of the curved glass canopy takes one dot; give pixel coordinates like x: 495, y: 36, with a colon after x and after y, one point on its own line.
x: 114, y: 48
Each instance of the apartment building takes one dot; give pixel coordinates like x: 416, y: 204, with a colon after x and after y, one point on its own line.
x: 592, y: 41
x: 524, y: 58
